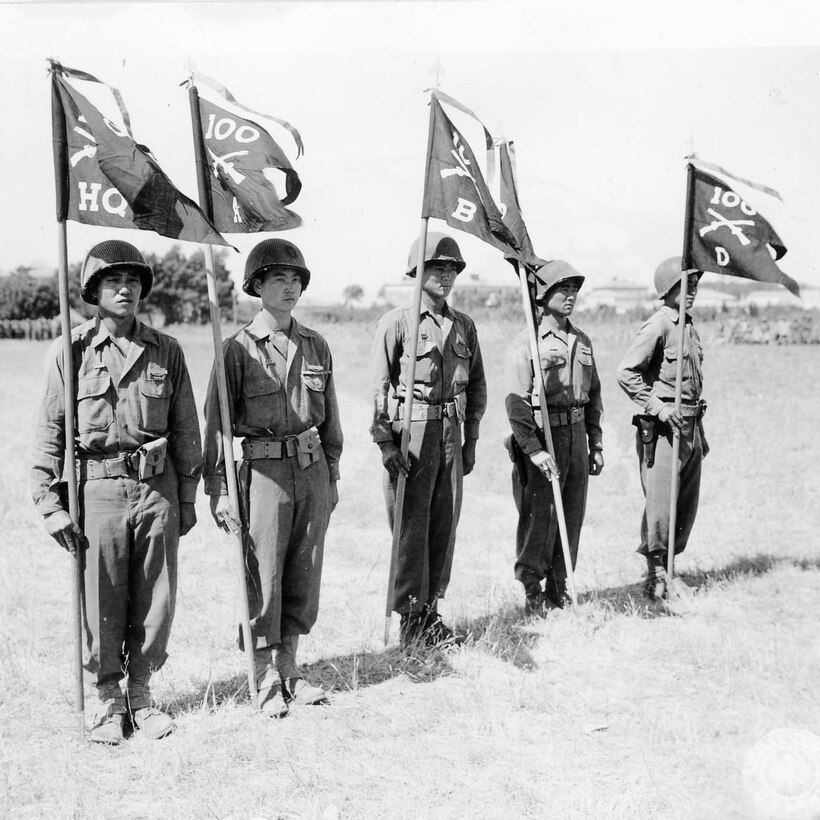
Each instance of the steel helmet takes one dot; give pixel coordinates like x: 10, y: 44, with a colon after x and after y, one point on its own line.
x: 668, y: 274
x: 553, y: 273
x: 270, y: 254
x: 113, y: 253
x: 439, y: 246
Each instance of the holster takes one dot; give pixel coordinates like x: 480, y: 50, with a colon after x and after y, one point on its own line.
x: 151, y: 458
x: 308, y: 447
x: 517, y: 457
x: 648, y: 430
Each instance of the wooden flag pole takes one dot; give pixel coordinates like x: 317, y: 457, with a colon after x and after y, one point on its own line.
x: 398, y: 509
x: 673, y: 484
x: 224, y: 409
x: 545, y: 426
x: 70, y: 463
x: 684, y: 281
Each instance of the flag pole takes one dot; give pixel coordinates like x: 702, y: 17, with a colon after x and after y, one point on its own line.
x: 222, y: 392
x: 398, y: 510
x: 69, y: 469
x: 545, y: 426
x: 684, y: 281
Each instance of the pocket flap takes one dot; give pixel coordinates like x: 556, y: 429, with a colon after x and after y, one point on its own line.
x: 461, y: 349
x: 93, y: 386
x: 156, y: 388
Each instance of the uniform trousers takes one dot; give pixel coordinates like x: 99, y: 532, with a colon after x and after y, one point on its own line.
x: 432, y: 505
x: 538, y: 547
x: 285, y: 513
x: 657, y: 482
x: 132, y: 529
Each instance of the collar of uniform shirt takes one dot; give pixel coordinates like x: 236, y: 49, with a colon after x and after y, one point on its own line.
x: 547, y: 331
x: 260, y: 329
x: 142, y: 332
x: 674, y: 314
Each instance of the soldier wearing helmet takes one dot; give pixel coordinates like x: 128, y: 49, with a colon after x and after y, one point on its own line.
x: 573, y: 394
x: 647, y: 374
x: 450, y: 395
x: 138, y: 457
x: 283, y: 406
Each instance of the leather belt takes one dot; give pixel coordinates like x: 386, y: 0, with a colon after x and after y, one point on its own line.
x: 561, y: 418
x: 90, y: 468
x: 424, y: 412
x: 687, y: 409
x: 252, y: 449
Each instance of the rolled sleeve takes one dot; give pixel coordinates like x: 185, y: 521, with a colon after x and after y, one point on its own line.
x: 518, y: 401
x: 476, y: 387
x: 632, y: 370
x: 384, y: 360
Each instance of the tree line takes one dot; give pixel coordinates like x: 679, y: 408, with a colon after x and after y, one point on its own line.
x: 180, y: 292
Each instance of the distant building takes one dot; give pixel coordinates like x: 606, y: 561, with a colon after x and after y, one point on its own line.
x: 716, y: 299
x: 779, y: 297
x: 620, y: 294
x: 469, y: 286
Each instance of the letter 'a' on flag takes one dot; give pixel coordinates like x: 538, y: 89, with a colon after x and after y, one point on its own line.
x: 725, y: 234
x: 111, y: 180
x: 242, y: 159
x: 455, y: 190
x: 511, y: 211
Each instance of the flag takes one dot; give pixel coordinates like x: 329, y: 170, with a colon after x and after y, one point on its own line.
x: 512, y: 216
x: 112, y: 181
x: 725, y: 234
x: 455, y: 190
x: 242, y: 158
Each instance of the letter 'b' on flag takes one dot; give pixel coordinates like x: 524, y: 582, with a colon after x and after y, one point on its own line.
x: 114, y: 182
x: 727, y: 235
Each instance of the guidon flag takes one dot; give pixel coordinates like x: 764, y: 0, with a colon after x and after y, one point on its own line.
x: 244, y: 162
x: 725, y: 234
x: 107, y: 178
x: 455, y: 190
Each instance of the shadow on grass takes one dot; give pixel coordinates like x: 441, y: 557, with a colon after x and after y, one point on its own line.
x: 503, y: 635
x: 629, y: 598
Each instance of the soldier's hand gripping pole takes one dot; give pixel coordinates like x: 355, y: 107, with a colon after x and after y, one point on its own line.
x: 545, y: 419
x: 398, y: 510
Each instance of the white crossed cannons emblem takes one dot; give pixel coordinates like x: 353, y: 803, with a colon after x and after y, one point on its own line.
x: 734, y: 225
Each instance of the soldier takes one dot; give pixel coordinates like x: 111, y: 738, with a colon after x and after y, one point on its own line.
x: 573, y: 393
x: 449, y: 392
x: 138, y: 463
x: 283, y: 405
x: 647, y: 375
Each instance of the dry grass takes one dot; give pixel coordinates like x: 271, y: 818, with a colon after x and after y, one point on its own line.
x: 620, y: 710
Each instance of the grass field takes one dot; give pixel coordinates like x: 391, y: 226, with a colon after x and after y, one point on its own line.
x: 618, y: 710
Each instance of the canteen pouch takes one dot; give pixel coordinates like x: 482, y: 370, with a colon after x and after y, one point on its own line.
x: 152, y: 458
x: 648, y: 431
x: 308, y: 447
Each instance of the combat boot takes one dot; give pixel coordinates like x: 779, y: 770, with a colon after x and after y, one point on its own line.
x: 656, y: 586
x: 555, y: 590
x: 435, y: 633
x: 270, y: 697
x: 109, y: 715
x: 108, y: 729
x: 295, y: 689
x: 152, y: 722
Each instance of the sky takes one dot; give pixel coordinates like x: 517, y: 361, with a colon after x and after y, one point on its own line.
x: 603, y: 102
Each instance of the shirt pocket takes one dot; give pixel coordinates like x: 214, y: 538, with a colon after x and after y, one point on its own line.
x: 426, y: 366
x: 553, y: 365
x: 314, y: 377
x: 585, y: 366
x: 94, y: 407
x: 155, y: 402
x: 258, y: 390
x: 461, y: 364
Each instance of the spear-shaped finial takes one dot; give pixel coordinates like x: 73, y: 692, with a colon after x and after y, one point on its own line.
x: 437, y: 69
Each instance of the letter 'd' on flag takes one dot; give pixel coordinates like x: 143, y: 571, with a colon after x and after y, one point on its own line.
x: 114, y: 182
x: 727, y: 235
x: 455, y: 190
x: 242, y: 157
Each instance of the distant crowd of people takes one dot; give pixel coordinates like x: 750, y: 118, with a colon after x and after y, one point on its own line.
x: 36, y: 329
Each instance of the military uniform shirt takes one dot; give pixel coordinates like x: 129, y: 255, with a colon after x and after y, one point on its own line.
x: 448, y: 363
x: 647, y: 370
x: 271, y: 397
x: 571, y: 380
x: 123, y: 402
